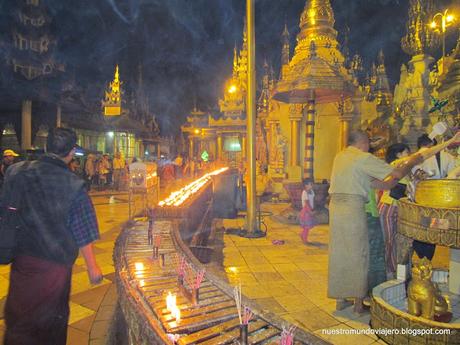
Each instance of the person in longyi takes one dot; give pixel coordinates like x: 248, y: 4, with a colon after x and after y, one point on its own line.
x: 355, y: 171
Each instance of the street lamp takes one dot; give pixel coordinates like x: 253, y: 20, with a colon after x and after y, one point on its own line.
x: 447, y: 20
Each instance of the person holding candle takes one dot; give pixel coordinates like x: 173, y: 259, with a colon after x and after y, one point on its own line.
x: 57, y: 220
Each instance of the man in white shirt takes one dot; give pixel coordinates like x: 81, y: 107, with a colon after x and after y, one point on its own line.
x: 437, y: 166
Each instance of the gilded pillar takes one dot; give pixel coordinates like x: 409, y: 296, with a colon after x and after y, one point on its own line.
x: 219, y: 146
x: 243, y: 146
x: 26, y: 125
x: 309, y: 138
x: 294, y: 170
x: 346, y: 116
x: 295, y: 116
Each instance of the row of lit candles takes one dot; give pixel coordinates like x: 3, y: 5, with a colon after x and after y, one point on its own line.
x: 172, y: 306
x: 177, y: 198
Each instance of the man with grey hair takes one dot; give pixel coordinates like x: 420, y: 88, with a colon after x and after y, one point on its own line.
x: 354, y: 173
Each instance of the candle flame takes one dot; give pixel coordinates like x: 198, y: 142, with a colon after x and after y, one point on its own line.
x: 178, y: 197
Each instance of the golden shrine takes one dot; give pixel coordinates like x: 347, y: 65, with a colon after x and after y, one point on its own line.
x: 112, y: 100
x: 304, y: 117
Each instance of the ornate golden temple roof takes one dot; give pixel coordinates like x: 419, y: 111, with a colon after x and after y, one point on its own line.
x: 312, y: 74
x: 420, y: 38
x: 317, y: 63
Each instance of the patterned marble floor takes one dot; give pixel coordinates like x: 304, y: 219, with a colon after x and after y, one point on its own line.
x: 291, y: 279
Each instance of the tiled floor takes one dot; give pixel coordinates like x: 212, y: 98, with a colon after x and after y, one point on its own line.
x: 291, y: 279
x: 288, y: 279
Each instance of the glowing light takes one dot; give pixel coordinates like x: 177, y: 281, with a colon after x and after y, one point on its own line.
x: 232, y: 89
x: 110, y: 134
x: 176, y: 313
x: 139, y: 266
x: 450, y: 18
x: 233, y: 269
x: 171, y: 302
x: 197, y: 131
x: 433, y: 25
x: 178, y: 197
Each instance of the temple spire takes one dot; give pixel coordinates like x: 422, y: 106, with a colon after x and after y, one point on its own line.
x: 285, y: 52
x: 345, y: 47
x: 382, y: 85
x: 318, y: 19
x: 317, y: 24
x: 235, y: 62
x: 419, y: 38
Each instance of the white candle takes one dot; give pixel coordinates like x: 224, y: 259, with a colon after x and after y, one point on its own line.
x: 176, y: 313
x: 170, y: 302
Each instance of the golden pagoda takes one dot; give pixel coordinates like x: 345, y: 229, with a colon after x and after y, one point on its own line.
x: 112, y: 100
x: 316, y: 74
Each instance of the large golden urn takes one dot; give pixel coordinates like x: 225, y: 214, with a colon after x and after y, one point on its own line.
x: 438, y: 193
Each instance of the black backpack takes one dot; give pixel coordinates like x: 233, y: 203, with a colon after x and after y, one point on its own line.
x: 10, y: 220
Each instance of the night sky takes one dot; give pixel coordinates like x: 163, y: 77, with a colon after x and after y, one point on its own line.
x: 186, y: 46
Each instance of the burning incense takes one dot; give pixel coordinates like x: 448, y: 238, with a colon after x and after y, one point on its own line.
x: 237, y: 296
x: 181, y: 266
x: 247, y: 315
x: 287, y: 335
x: 199, y: 278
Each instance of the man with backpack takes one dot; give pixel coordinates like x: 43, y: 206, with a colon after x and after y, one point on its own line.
x: 54, y: 218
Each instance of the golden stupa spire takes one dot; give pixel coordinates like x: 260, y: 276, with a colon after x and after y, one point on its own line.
x: 420, y: 38
x: 317, y: 24
x: 317, y: 19
x: 235, y: 62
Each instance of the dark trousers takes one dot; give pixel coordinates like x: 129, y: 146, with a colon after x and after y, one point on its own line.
x: 423, y: 249
x: 37, y: 306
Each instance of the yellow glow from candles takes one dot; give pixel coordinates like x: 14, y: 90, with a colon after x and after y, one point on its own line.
x: 171, y: 302
x: 233, y: 269
x: 139, y: 266
x: 450, y: 18
x: 141, y: 282
x: 177, y: 198
x: 176, y: 314
x: 232, y: 89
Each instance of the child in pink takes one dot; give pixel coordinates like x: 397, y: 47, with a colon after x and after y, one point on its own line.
x: 306, y: 217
